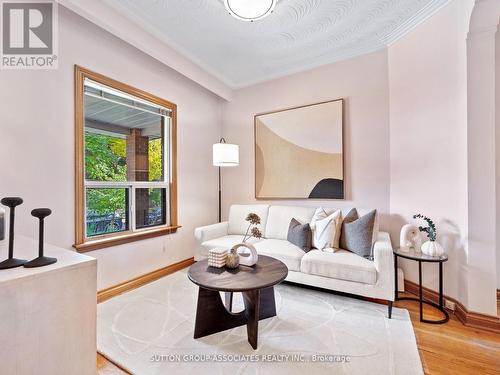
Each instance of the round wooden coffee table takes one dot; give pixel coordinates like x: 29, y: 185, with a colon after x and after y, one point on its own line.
x: 256, y: 285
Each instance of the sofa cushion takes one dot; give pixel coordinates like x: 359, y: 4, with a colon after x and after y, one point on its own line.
x: 357, y: 233
x: 238, y: 213
x: 319, y: 214
x: 226, y: 242
x: 282, y: 250
x: 280, y: 216
x: 363, y: 212
x: 326, y: 233
x: 300, y: 235
x: 342, y: 265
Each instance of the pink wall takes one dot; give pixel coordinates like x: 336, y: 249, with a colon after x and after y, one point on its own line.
x: 407, y: 147
x: 428, y: 137
x: 363, y: 83
x: 37, y: 137
x: 497, y: 126
x: 406, y: 143
x: 481, y: 156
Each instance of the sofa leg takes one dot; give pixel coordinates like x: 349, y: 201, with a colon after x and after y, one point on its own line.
x: 390, y: 309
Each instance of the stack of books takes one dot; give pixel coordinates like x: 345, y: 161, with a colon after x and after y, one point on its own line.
x: 217, y: 257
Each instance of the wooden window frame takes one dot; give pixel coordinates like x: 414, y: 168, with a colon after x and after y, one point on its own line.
x: 83, y: 244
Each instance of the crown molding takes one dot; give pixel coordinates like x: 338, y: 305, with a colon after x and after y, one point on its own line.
x: 417, y: 19
x: 102, y: 15
x: 149, y: 39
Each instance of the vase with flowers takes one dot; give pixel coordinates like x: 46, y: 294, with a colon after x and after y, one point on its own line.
x: 245, y: 252
x: 430, y: 247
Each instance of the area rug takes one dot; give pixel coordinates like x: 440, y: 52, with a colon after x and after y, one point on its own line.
x: 150, y: 331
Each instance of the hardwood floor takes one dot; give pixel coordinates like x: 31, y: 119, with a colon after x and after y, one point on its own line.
x: 449, y: 348
x: 453, y: 348
x: 105, y: 367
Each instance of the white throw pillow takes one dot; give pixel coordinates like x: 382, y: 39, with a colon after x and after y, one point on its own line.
x: 319, y: 214
x: 326, y: 231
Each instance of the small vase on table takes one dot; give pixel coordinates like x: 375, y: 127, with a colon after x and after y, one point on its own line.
x: 233, y: 259
x: 430, y: 247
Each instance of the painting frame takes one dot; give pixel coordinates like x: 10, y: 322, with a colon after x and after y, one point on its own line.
x: 342, y: 196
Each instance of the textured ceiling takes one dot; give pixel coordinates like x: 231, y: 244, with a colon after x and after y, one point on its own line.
x: 298, y: 35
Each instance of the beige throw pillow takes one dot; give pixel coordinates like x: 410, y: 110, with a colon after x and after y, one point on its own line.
x: 326, y: 229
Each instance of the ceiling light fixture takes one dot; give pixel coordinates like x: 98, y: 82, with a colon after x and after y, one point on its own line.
x: 250, y: 10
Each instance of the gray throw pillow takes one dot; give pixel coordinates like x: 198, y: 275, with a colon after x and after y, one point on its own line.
x: 357, y: 233
x: 300, y: 235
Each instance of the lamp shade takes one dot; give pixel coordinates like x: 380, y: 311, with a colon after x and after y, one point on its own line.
x: 226, y: 155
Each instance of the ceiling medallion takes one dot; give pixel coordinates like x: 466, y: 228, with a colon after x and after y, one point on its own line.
x: 250, y: 10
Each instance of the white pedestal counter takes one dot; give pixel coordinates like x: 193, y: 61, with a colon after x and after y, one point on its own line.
x: 48, y: 314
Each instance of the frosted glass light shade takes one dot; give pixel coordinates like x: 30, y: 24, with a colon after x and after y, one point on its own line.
x: 226, y: 155
x: 250, y: 10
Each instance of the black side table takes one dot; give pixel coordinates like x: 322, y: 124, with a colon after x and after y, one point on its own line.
x: 421, y: 258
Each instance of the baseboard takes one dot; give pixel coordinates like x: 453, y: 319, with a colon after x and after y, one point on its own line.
x: 467, y: 318
x: 136, y: 282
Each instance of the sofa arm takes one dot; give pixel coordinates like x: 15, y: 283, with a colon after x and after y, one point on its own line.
x: 209, y: 232
x: 384, y: 263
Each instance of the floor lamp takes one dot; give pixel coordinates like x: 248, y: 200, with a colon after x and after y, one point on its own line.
x: 224, y: 155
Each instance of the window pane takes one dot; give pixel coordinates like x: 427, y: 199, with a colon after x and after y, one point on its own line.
x: 107, y: 210
x: 155, y: 156
x: 124, y: 138
x: 105, y: 158
x: 150, y: 208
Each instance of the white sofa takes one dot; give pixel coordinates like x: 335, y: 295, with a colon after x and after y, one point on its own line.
x: 341, y: 271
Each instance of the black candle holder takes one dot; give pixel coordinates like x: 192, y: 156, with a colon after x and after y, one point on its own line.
x: 41, y: 214
x: 11, y: 262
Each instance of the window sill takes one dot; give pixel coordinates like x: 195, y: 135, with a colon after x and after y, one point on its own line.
x: 102, y: 243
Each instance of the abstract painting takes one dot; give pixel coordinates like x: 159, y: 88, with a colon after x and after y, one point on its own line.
x: 299, y: 152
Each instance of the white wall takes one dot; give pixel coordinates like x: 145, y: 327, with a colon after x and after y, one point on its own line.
x: 363, y: 83
x: 37, y: 137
